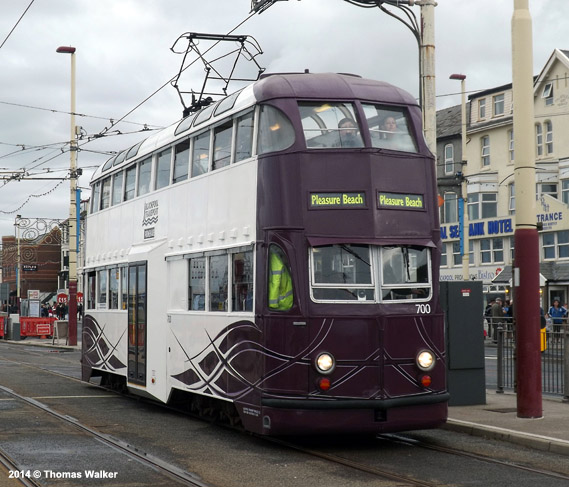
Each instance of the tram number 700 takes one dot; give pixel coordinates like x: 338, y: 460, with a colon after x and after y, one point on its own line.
x: 423, y: 309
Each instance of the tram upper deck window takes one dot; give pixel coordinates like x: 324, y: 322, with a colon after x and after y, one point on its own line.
x: 163, y: 168
x: 222, y: 145
x: 327, y: 124
x: 144, y: 173
x: 129, y: 185
x: 200, y: 155
x: 181, y: 161
x: 276, y: 132
x: 117, y: 188
x: 342, y: 273
x: 95, y: 197
x: 106, y: 193
x: 389, y: 128
x: 405, y: 273
x: 244, y: 137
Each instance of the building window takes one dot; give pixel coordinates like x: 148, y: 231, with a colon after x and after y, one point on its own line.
x: 512, y: 199
x: 444, y: 255
x: 548, y: 137
x: 556, y: 245
x: 491, y: 250
x: 511, y: 145
x: 547, y: 94
x: 456, y: 257
x: 482, y: 205
x: 512, y: 248
x: 485, y: 150
x: 565, y: 191
x: 547, y: 188
x: 449, y: 159
x: 498, y: 101
x: 482, y: 109
x: 451, y: 208
x: 538, y: 139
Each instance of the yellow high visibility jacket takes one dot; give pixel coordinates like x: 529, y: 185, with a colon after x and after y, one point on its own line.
x: 280, y: 284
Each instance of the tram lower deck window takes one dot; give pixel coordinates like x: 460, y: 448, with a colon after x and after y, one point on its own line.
x: 364, y: 273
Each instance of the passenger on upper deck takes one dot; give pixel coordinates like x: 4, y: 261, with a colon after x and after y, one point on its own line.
x: 348, y: 130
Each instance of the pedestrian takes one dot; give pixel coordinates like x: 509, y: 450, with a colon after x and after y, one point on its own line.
x: 497, y: 318
x: 488, y: 316
x: 557, y: 313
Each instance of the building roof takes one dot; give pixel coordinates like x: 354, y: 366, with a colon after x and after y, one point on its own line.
x: 448, y: 122
x: 553, y: 272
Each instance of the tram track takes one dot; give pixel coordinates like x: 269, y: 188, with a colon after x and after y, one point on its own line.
x: 11, y: 466
x: 178, y: 475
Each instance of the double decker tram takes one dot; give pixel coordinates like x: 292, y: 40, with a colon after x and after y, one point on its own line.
x: 275, y: 255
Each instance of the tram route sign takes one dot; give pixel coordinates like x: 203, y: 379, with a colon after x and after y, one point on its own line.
x: 400, y: 201
x: 337, y: 200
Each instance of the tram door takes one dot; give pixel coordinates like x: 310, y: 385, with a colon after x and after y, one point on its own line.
x: 137, y: 323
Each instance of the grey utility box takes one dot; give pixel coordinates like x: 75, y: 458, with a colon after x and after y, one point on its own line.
x: 462, y: 303
x: 14, y: 330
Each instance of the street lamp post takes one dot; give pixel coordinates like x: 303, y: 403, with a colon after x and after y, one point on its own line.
x: 72, y: 236
x: 463, y: 209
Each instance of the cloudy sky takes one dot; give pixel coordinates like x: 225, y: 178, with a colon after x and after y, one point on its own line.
x: 124, y: 58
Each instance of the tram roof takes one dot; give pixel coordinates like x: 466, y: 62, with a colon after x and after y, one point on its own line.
x: 280, y: 85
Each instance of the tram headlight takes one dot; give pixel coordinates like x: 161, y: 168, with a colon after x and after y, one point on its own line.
x: 425, y: 360
x: 325, y: 363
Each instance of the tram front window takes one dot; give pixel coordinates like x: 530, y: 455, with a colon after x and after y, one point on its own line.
x: 389, y: 128
x: 342, y: 273
x: 327, y: 124
x: 405, y: 273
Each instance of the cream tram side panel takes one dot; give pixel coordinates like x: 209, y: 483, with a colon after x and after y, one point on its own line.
x: 220, y: 214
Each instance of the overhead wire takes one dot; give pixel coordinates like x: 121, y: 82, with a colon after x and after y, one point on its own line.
x: 16, y: 24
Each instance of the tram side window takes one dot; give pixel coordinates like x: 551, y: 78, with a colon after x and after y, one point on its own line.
x: 197, y: 284
x: 276, y: 132
x: 389, y: 128
x: 218, y: 282
x: 327, y: 124
x: 280, y: 288
x: 244, y: 137
x: 114, y: 279
x: 163, y: 168
x: 91, y: 290
x: 117, y: 188
x: 200, y: 154
x: 144, y: 173
x: 106, y: 193
x: 222, y: 145
x: 129, y: 186
x: 405, y: 273
x: 181, y: 161
x: 102, y: 289
x: 242, y: 296
x: 342, y: 273
x: 124, y: 288
x: 95, y: 197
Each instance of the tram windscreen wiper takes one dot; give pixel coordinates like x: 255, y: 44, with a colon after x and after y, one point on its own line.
x: 350, y: 251
x: 406, y: 260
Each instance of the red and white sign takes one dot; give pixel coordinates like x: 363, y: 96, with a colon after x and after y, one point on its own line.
x: 465, y: 292
x: 62, y: 298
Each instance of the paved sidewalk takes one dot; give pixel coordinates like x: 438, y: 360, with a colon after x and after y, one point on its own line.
x: 497, y: 419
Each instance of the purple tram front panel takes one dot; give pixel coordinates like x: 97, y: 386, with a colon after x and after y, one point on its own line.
x: 314, y: 199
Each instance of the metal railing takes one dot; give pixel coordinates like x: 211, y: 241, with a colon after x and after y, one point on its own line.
x: 554, y: 356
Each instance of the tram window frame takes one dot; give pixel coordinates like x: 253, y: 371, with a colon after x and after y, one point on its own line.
x: 403, y: 289
x: 222, y: 147
x: 325, y: 284
x: 218, y: 280
x: 102, y: 289
x: 326, y: 119
x: 123, y: 287
x: 197, y: 156
x: 181, y: 164
x: 403, y: 139
x: 91, y: 290
x: 117, y: 190
x: 385, y: 292
x: 197, y: 281
x: 163, y: 168
x: 106, y: 193
x: 144, y: 176
x: 95, y: 197
x: 243, y: 281
x: 244, y: 135
x: 275, y: 131
x: 129, y: 192
x: 114, y: 287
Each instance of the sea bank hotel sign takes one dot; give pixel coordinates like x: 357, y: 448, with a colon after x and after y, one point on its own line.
x: 552, y: 214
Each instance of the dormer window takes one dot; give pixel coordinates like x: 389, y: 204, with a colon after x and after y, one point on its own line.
x: 498, y: 104
x: 547, y: 93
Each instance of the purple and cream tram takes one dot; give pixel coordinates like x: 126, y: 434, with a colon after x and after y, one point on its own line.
x: 277, y: 255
